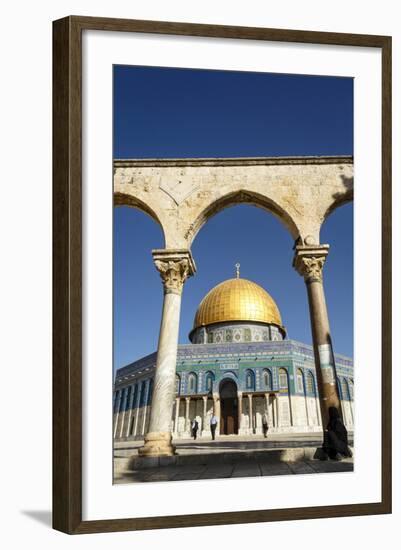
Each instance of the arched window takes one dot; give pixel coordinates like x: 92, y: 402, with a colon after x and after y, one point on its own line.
x: 209, y: 381
x: 192, y: 382
x: 344, y: 388
x: 177, y: 384
x: 249, y: 380
x: 247, y: 334
x: 283, y: 379
x: 267, y: 379
x: 300, y: 381
x: 310, y: 384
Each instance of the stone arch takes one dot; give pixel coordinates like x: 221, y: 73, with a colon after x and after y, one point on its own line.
x: 340, y: 198
x: 228, y: 375
x: 241, y: 197
x: 184, y: 193
x: 124, y: 199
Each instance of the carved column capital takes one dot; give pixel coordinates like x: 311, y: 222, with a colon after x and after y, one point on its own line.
x: 174, y: 266
x: 309, y: 261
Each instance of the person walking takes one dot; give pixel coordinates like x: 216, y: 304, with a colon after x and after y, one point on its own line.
x: 194, y: 428
x: 265, y: 423
x: 213, y: 426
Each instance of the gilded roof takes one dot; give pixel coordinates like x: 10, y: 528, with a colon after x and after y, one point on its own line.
x: 237, y: 300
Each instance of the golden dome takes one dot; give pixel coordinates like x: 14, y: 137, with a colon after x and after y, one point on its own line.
x: 237, y: 300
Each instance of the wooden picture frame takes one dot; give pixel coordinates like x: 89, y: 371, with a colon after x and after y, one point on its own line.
x: 67, y: 274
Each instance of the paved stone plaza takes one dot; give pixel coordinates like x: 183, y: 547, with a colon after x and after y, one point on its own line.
x: 227, y: 457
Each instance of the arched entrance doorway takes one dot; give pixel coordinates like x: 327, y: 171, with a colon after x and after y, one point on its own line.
x: 228, y: 407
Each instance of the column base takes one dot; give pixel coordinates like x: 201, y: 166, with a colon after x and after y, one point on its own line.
x: 157, y: 444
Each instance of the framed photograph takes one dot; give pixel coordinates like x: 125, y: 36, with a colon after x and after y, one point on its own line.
x: 222, y: 274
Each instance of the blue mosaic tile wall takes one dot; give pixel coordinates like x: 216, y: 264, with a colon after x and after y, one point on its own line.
x: 232, y: 360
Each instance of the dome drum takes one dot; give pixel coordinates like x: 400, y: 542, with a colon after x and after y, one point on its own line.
x: 236, y: 332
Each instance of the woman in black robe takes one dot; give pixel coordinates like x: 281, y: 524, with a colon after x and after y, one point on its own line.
x: 336, y: 437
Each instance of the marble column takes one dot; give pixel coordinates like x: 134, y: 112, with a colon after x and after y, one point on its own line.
x: 174, y: 266
x: 204, y: 424
x: 217, y: 411
x: 250, y: 413
x: 177, y: 414
x: 239, y: 397
x: 187, y: 420
x: 309, y: 262
x: 267, y: 408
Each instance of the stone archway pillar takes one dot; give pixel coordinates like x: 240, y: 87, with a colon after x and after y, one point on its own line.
x: 175, y: 266
x: 309, y: 262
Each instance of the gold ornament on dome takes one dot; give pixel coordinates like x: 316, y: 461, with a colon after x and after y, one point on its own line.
x: 237, y: 300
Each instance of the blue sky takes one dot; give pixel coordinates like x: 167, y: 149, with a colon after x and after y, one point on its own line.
x: 194, y: 113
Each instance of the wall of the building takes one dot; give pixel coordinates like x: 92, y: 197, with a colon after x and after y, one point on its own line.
x: 131, y: 409
x: 292, y: 403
